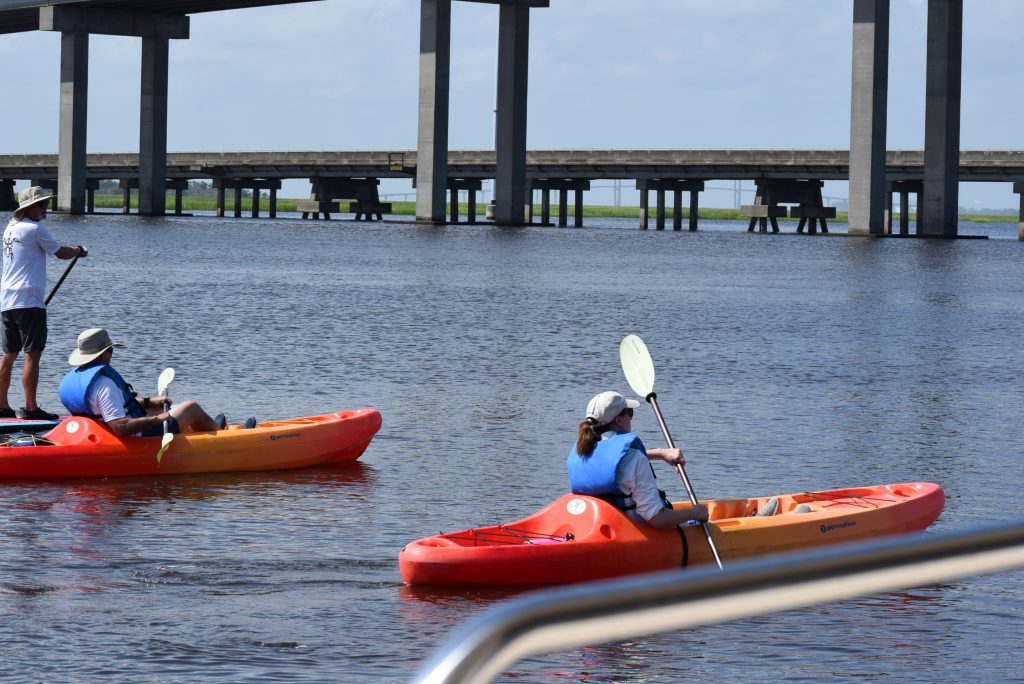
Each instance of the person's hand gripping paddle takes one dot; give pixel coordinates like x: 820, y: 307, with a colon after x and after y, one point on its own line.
x: 639, y: 370
x: 166, y: 376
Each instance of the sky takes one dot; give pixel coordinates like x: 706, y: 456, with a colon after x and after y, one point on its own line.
x: 343, y: 75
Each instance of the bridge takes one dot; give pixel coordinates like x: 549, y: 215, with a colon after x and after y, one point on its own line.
x: 355, y: 174
x: 158, y: 21
x: 689, y: 164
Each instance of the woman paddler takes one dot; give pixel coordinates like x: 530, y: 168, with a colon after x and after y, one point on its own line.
x: 608, y: 461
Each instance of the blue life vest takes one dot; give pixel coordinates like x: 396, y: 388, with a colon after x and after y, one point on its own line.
x: 74, y: 389
x: 594, y: 475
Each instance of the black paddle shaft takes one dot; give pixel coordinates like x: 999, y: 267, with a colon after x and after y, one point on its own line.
x: 59, y: 282
x: 652, y: 399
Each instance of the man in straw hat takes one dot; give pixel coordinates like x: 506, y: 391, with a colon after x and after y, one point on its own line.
x: 96, y: 390
x: 22, y: 303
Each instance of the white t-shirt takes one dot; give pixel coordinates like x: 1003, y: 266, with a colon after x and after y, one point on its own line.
x: 26, y: 244
x: 635, y: 478
x: 105, y: 399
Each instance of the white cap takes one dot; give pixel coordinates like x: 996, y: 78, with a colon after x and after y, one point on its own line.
x: 603, y: 408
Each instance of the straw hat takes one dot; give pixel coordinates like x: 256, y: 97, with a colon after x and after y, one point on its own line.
x: 30, y: 196
x: 91, y: 343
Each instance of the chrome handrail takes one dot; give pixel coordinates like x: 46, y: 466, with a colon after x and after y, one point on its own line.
x: 613, y: 610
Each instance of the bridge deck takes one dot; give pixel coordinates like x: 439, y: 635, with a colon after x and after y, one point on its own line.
x: 975, y: 165
x: 17, y: 16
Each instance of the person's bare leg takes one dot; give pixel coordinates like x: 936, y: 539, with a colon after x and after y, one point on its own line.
x: 30, y: 378
x: 6, y: 366
x: 192, y: 418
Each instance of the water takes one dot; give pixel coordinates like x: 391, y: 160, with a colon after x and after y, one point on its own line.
x: 784, y: 363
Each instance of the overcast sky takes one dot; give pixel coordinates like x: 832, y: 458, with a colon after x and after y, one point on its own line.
x: 342, y: 74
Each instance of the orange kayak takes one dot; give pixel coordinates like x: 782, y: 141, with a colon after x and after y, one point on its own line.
x: 81, y: 447
x: 580, y: 538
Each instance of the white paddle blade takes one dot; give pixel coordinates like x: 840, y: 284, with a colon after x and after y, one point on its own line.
x: 166, y: 375
x: 637, y: 365
x: 164, y: 443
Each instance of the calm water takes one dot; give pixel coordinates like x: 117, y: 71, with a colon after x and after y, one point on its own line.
x: 784, y: 363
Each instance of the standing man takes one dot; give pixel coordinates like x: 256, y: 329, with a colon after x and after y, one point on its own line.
x: 22, y: 306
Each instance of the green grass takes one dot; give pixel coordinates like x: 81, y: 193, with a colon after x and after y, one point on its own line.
x: 589, y: 211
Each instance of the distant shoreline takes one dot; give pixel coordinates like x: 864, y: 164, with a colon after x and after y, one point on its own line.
x: 589, y: 211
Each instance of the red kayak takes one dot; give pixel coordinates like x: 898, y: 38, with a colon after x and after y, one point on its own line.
x: 580, y: 538
x: 81, y: 447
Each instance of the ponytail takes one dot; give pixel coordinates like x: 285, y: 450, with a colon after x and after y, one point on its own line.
x: 587, y: 438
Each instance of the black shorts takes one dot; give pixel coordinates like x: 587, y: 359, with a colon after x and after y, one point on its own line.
x: 24, y: 329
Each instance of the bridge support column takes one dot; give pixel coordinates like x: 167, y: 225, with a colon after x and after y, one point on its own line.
x: 1019, y: 189
x: 76, y: 22
x: 676, y: 187
x: 432, y: 136
x: 939, y: 215
x: 868, y: 99
x: 153, y: 127
x: 179, y: 185
x: 74, y: 93
x: 7, y: 199
x: 545, y: 206
x: 564, y: 186
x: 471, y: 186
x: 904, y: 188
x: 510, y: 189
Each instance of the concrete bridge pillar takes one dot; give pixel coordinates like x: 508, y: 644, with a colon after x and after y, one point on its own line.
x: 74, y: 88
x: 939, y: 215
x: 510, y: 188
x: 471, y: 186
x: 7, y: 200
x: 564, y: 186
x: 432, y: 136
x: 868, y: 100
x: 676, y: 187
x: 904, y: 188
x: 1019, y: 189
x: 153, y: 127
x: 76, y: 22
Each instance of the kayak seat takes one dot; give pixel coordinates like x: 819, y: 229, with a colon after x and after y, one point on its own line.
x: 769, y: 508
x: 802, y: 508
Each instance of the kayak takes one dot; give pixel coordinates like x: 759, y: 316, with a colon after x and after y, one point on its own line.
x: 81, y: 447
x: 580, y: 538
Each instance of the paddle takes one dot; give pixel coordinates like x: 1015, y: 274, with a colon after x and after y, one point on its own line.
x: 166, y: 376
x: 66, y: 271
x: 639, y: 370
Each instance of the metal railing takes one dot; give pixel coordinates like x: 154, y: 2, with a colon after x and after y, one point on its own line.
x: 620, y: 609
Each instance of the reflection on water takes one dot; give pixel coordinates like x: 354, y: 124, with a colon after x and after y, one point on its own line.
x: 783, y: 364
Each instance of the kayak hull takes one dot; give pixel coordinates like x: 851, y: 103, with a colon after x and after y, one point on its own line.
x: 80, y: 447
x: 580, y: 538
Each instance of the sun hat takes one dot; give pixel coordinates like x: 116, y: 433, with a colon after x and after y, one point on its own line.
x: 603, y: 408
x: 30, y: 196
x: 91, y: 343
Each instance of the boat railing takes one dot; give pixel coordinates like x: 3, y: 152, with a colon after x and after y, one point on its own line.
x: 613, y: 610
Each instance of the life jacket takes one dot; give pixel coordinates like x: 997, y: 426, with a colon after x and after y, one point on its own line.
x: 594, y: 475
x: 74, y: 389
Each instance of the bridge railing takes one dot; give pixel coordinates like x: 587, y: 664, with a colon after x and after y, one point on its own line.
x: 646, y: 604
